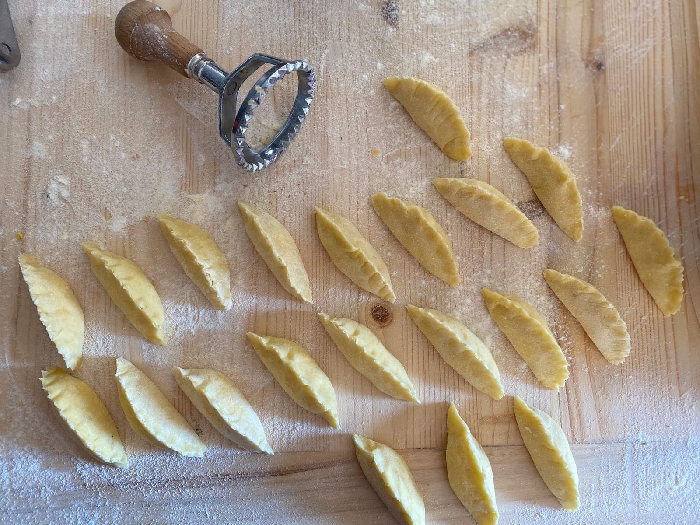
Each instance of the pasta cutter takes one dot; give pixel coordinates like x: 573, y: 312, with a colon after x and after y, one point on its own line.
x: 145, y: 31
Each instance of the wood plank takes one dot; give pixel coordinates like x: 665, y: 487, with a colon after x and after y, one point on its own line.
x: 96, y: 144
x: 329, y: 487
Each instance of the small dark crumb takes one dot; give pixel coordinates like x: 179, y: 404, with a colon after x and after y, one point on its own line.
x: 137, y: 156
x: 594, y: 60
x: 532, y: 209
x: 390, y: 12
x: 381, y: 314
x: 198, y: 431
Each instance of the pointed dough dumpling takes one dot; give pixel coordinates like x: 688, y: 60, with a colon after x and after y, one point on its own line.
x: 224, y: 406
x: 418, y: 231
x: 597, y: 315
x: 529, y: 334
x: 85, y: 415
x: 656, y: 263
x: 200, y: 257
x: 433, y: 110
x: 460, y: 348
x: 298, y: 374
x: 58, y: 309
x: 368, y: 355
x: 353, y: 254
x: 391, y: 479
x: 550, y: 452
x: 552, y: 182
x: 488, y: 207
x: 130, y: 290
x: 151, y: 415
x: 469, y: 471
x: 277, y: 248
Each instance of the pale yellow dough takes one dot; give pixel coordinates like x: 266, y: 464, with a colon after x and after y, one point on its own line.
x: 469, y: 471
x: 657, y: 265
x: 597, y: 315
x: 224, y: 406
x: 200, y: 257
x: 530, y: 336
x: 418, y: 231
x: 391, y: 479
x: 85, y: 415
x: 58, y: 309
x: 550, y: 452
x: 298, y: 374
x: 460, y: 348
x: 488, y: 207
x: 552, y: 182
x: 151, y: 415
x: 353, y: 254
x: 130, y: 290
x: 279, y: 251
x: 433, y: 110
x: 367, y: 355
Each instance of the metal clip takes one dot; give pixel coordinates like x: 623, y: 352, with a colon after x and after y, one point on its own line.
x: 9, y: 48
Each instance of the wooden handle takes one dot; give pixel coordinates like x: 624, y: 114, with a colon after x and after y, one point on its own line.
x: 145, y: 31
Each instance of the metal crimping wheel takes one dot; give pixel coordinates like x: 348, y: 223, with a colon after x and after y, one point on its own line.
x: 145, y: 31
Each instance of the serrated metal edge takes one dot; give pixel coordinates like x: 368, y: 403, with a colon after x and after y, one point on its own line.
x: 269, y: 154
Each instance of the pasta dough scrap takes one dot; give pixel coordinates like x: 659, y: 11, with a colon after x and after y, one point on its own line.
x: 552, y: 182
x: 391, y: 479
x: 200, y: 257
x: 353, y: 254
x: 367, y: 355
x: 597, y: 315
x: 298, y: 374
x: 130, y: 290
x: 434, y: 112
x: 151, y: 415
x: 85, y: 415
x: 224, y: 406
x: 279, y: 251
x: 58, y: 309
x: 488, y: 207
x: 657, y: 265
x: 529, y: 334
x: 460, y: 348
x: 418, y: 231
x: 469, y: 471
x: 550, y: 452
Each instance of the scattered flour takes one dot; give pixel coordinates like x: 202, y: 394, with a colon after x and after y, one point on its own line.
x: 58, y: 190
x: 425, y: 58
x: 36, y: 150
x: 107, y: 185
x: 563, y: 151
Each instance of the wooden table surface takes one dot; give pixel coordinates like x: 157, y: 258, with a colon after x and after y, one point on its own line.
x: 94, y: 144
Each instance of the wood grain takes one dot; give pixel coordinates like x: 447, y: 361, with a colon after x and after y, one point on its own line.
x: 95, y: 142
